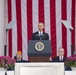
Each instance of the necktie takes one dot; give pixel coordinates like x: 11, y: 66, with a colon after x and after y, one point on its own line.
x: 40, y: 36
x: 61, y: 58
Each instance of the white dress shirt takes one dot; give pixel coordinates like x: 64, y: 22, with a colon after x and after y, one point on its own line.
x: 40, y: 32
x: 61, y: 58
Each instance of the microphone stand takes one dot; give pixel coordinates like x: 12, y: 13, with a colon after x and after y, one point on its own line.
x: 72, y: 46
x: 9, y: 26
x: 5, y: 47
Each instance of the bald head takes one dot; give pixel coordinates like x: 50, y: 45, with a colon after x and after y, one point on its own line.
x: 61, y: 51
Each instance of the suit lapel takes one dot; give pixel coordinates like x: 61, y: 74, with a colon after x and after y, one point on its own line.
x: 43, y: 35
x: 38, y: 35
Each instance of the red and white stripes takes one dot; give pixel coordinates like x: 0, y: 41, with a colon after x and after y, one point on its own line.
x: 35, y: 15
x: 58, y: 24
x: 14, y: 29
x: 29, y: 13
x: 47, y: 18
x: 69, y: 6
x: 64, y: 30
x: 24, y: 28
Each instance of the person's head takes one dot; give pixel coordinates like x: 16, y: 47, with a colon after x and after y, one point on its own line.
x: 40, y: 26
x: 61, y: 51
x: 19, y: 55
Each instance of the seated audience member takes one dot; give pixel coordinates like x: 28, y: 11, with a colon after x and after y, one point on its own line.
x: 61, y: 58
x: 18, y: 57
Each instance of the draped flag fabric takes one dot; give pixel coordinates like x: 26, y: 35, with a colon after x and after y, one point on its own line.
x: 29, y: 13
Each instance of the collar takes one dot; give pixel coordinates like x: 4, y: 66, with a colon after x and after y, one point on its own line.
x: 61, y: 57
x: 40, y: 32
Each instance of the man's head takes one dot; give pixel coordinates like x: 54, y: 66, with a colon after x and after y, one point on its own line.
x: 61, y: 51
x: 19, y: 55
x: 40, y: 26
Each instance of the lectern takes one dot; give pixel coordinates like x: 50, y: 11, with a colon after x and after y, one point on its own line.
x: 39, y: 50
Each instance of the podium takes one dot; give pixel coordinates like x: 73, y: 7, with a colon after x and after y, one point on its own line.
x: 38, y: 68
x: 39, y: 50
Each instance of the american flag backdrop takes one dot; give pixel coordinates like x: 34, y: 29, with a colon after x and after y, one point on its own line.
x: 29, y: 13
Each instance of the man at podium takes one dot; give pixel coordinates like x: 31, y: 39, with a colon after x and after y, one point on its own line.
x: 40, y: 34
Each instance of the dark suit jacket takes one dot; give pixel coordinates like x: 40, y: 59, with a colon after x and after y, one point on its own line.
x: 36, y: 36
x: 56, y: 59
